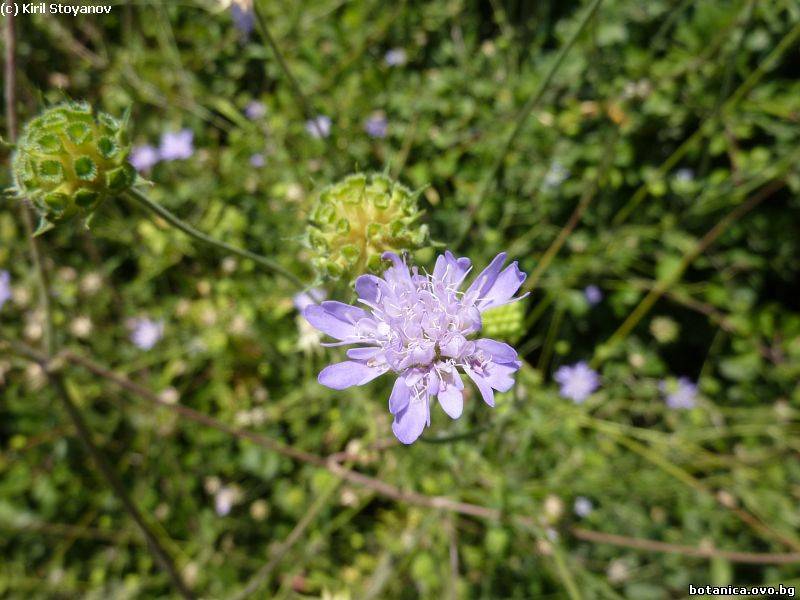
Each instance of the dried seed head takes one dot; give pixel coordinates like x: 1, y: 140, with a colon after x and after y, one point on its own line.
x: 69, y: 159
x: 358, y: 219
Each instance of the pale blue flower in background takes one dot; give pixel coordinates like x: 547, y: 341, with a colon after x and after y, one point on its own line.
x: 255, y: 110
x: 146, y: 333
x: 377, y: 126
x: 396, y: 57
x: 176, y: 145
x: 420, y: 326
x: 583, y: 507
x: 680, y: 393
x: 577, y: 381
x: 684, y: 175
x: 244, y: 18
x: 225, y: 499
x: 319, y: 126
x: 5, y: 287
x: 305, y: 299
x: 257, y: 160
x: 144, y: 157
x: 556, y: 175
x: 593, y: 294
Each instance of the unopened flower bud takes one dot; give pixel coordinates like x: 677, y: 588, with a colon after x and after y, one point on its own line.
x: 69, y: 159
x: 358, y: 219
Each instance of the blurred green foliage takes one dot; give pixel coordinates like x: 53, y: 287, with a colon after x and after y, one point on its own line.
x: 665, y: 116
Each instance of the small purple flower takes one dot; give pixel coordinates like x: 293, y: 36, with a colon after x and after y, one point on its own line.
x: 176, y: 145
x: 593, y: 294
x: 583, y: 507
x: 257, y: 160
x: 377, y: 126
x: 144, y: 157
x: 244, y: 18
x: 680, y: 394
x: 577, y: 381
x: 146, y: 333
x: 421, y: 327
x: 305, y: 299
x: 5, y: 287
x: 319, y: 126
x: 396, y: 57
x: 255, y: 110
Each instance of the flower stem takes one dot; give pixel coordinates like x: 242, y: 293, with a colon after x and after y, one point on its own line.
x: 522, y: 117
x: 111, y: 478
x: 139, y: 198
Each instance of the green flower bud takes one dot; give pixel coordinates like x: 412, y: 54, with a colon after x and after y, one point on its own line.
x: 69, y: 159
x: 505, y: 322
x: 358, y: 219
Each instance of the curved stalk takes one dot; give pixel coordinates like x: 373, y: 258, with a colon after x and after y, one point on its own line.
x: 139, y: 198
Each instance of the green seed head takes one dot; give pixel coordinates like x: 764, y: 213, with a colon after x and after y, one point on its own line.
x: 69, y: 159
x: 505, y: 322
x: 358, y: 219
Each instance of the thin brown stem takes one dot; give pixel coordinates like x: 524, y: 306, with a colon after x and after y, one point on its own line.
x: 379, y: 486
x: 85, y: 435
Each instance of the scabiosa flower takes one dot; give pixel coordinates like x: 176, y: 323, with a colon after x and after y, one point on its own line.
x: 257, y: 160
x: 144, y: 157
x: 305, y: 299
x: 680, y: 393
x: 577, y: 381
x: 583, y: 507
x: 225, y: 499
x: 556, y: 175
x: 421, y: 327
x: 396, y: 57
x: 377, y: 126
x: 5, y: 287
x: 593, y: 294
x: 319, y: 127
x: 145, y: 333
x: 244, y: 19
x: 255, y: 110
x: 176, y: 145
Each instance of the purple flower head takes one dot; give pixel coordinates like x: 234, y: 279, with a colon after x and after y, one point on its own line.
x: 577, y: 381
x: 255, y: 110
x: 143, y: 158
x: 244, y: 19
x: 556, y: 175
x: 146, y: 333
x: 396, y: 57
x: 319, y: 126
x: 257, y: 160
x: 593, y: 294
x: 583, y: 507
x: 377, y: 126
x: 176, y: 145
x: 421, y: 327
x: 309, y: 298
x: 5, y: 287
x: 680, y: 394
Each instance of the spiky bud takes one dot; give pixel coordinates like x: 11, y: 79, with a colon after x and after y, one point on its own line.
x: 505, y: 322
x: 358, y: 219
x: 69, y: 159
